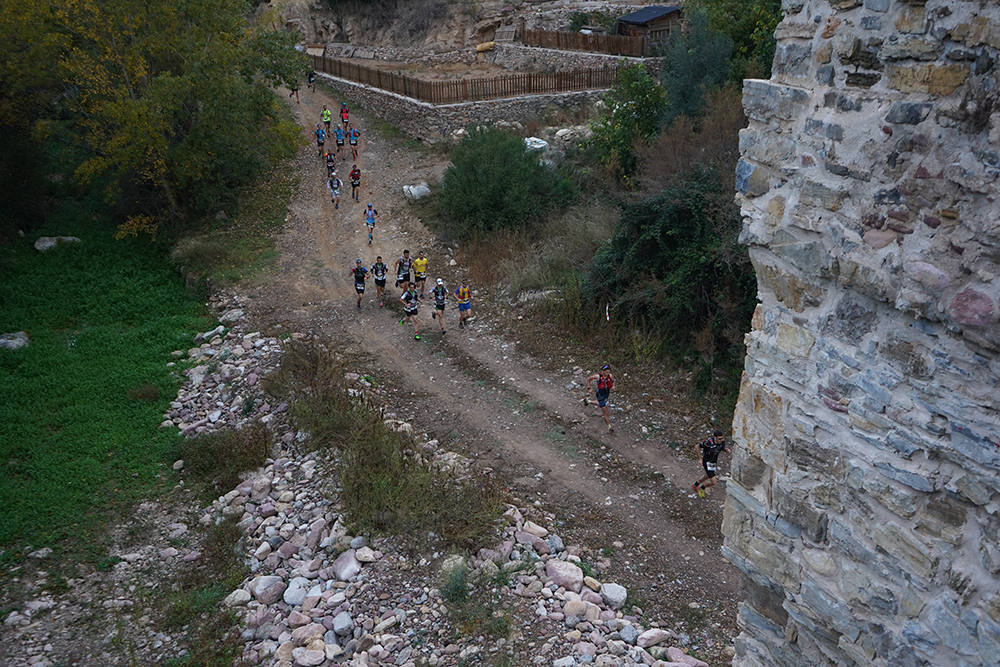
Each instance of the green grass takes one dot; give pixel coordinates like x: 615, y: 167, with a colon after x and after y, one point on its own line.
x: 230, y: 251
x: 82, y: 403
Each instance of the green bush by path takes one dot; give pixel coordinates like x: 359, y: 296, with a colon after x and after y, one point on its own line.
x: 82, y: 403
x: 495, y: 182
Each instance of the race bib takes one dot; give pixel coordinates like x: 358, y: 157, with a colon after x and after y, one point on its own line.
x: 711, y: 466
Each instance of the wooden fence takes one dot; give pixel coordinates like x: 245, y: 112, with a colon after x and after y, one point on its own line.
x: 616, y: 45
x: 469, y: 90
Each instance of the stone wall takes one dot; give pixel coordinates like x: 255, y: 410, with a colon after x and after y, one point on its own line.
x: 862, y: 508
x: 436, y: 122
x: 520, y: 57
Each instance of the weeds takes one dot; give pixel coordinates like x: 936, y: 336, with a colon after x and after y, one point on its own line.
x: 212, y: 634
x: 218, y: 459
x: 473, y: 610
x: 456, y: 586
x: 386, y: 485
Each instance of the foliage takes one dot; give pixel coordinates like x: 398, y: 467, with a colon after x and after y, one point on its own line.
x: 495, y: 182
x: 103, y: 317
x: 695, y: 60
x: 674, y: 264
x: 635, y: 106
x: 164, y: 96
x: 750, y: 25
x: 386, y: 486
x: 217, y: 459
x: 211, y: 635
x: 455, y: 588
x: 578, y: 20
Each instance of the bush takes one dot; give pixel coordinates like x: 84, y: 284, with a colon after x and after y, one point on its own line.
x: 635, y: 106
x: 218, y: 459
x: 385, y: 485
x: 494, y: 182
x: 674, y: 265
x: 696, y: 60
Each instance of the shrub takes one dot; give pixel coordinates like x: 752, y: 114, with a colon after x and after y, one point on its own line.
x: 495, y: 182
x: 674, y: 265
x: 385, y: 485
x: 635, y: 106
x: 696, y: 60
x: 217, y: 459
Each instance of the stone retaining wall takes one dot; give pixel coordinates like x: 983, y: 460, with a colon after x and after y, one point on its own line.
x: 520, y: 57
x: 434, y: 123
x: 863, y: 503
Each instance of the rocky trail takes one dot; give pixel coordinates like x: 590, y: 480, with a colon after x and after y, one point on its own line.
x: 612, y: 506
x: 516, y: 413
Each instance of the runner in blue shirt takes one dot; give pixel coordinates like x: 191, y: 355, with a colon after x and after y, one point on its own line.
x: 338, y: 133
x: 320, y: 138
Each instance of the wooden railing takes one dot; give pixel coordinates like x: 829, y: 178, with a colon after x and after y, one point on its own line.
x: 469, y: 90
x: 616, y: 45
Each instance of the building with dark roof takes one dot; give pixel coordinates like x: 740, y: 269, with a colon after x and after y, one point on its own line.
x: 655, y: 23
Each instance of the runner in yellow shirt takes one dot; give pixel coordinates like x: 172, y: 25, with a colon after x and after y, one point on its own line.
x: 420, y: 272
x: 326, y: 115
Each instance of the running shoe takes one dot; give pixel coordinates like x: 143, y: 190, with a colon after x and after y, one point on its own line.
x: 416, y: 336
x: 701, y: 493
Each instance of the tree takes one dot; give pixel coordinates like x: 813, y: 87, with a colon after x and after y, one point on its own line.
x: 167, y: 98
x: 674, y: 264
x: 696, y: 60
x: 495, y: 182
x: 750, y: 24
x: 635, y: 106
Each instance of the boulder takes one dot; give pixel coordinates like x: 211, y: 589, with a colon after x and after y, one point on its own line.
x: 652, y: 637
x: 267, y: 589
x: 231, y: 315
x: 46, y: 243
x: 236, y: 598
x: 14, y: 341
x: 343, y: 624
x: 564, y: 574
x: 346, y: 567
x: 296, y: 591
x: 416, y: 192
x: 614, y: 595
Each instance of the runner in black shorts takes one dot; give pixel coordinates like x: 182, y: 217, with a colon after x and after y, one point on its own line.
x: 605, y: 383
x: 379, y: 271
x: 708, y: 453
x: 410, y: 306
x: 355, y: 181
x: 360, y: 273
x: 440, y: 294
x: 403, y: 265
x: 320, y: 138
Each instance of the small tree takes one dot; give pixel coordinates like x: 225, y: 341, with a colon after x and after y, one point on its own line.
x: 696, y: 60
x: 750, y: 24
x: 495, y: 182
x: 635, y: 106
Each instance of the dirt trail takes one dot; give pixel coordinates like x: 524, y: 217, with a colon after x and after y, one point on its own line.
x: 481, y: 394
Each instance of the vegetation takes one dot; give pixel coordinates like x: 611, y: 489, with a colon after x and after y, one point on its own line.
x: 166, y: 103
x: 673, y: 265
x: 606, y: 20
x: 83, y: 401
x: 695, y: 61
x: 749, y: 25
x: 473, y: 606
x: 211, y: 631
x: 635, y: 106
x: 217, y: 459
x: 386, y: 486
x: 494, y: 182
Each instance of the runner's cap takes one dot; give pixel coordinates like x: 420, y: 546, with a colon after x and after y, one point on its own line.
x: 605, y: 367
x: 440, y: 282
x: 357, y: 261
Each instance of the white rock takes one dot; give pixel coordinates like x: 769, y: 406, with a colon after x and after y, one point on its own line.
x: 416, y: 192
x: 296, y: 591
x: 178, y: 464
x: 452, y: 562
x: 308, y: 657
x: 231, y: 315
x: 652, y: 637
x: 366, y: 555
x: 535, y: 529
x: 46, y: 243
x: 346, y: 567
x: 614, y: 595
x: 236, y: 598
x: 14, y: 341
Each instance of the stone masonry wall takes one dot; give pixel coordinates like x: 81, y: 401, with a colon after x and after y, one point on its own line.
x: 865, y: 488
x: 436, y: 122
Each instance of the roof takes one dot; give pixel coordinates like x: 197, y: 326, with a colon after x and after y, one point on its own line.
x: 647, y: 14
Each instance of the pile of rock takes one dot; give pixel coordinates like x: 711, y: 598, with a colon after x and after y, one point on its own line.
x: 224, y: 371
